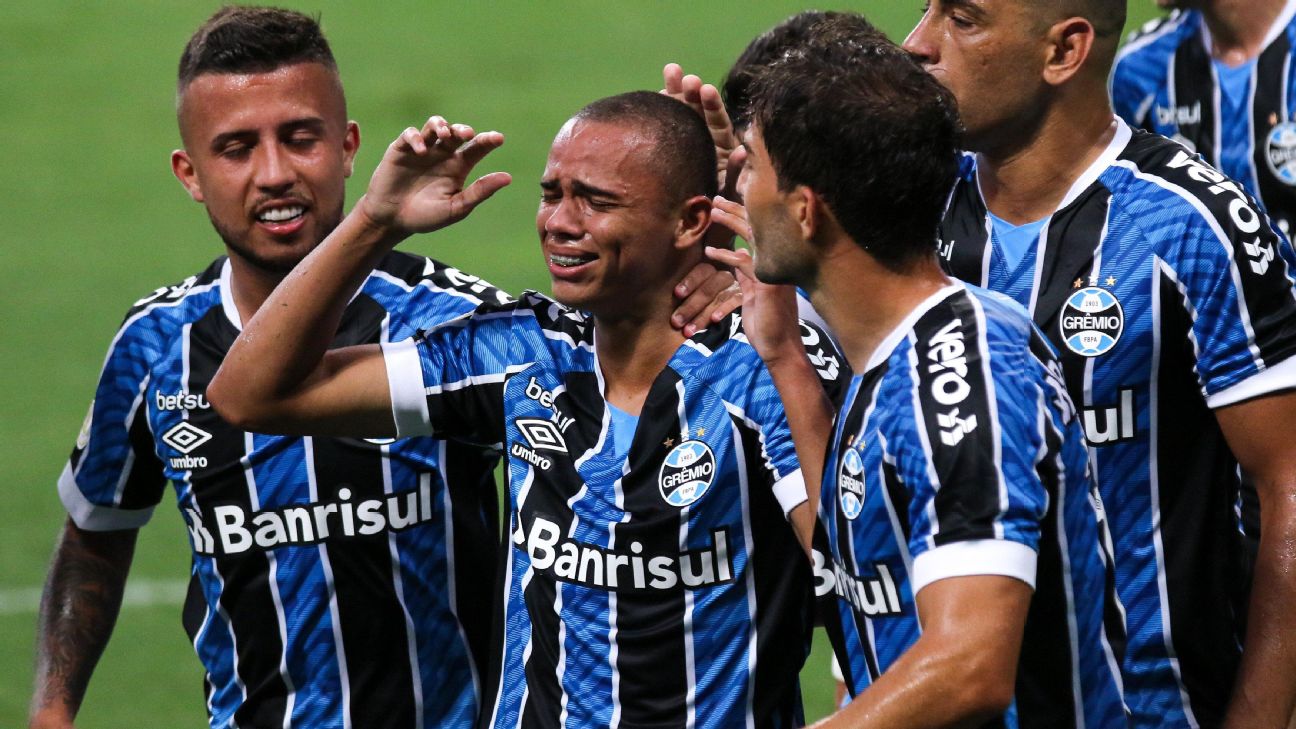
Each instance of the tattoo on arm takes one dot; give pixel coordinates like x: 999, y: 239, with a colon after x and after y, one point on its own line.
x: 83, y: 594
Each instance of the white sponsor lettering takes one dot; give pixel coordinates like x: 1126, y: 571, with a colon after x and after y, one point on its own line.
x: 872, y: 596
x: 180, y: 401
x: 530, y: 456
x: 593, y: 566
x: 1241, y: 210
x: 239, y: 530
x: 536, y: 392
x: 1261, y: 256
x: 1106, y: 425
x: 1179, y: 115
x: 948, y: 355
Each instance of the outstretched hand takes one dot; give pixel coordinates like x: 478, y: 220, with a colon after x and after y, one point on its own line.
x: 419, y: 185
x: 769, y: 311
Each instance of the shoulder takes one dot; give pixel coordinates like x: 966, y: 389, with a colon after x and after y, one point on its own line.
x: 726, y: 344
x: 400, y: 275
x: 1159, y: 38
x: 532, y: 320
x: 166, y: 309
x: 1165, y: 190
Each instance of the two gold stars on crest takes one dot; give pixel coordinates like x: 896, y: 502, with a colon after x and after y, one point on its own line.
x: 683, y: 437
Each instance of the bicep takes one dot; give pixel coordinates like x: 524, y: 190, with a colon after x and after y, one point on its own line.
x: 1259, y: 433
x: 982, y: 614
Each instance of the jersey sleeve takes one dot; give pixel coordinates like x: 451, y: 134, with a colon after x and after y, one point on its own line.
x: 1133, y: 89
x: 965, y: 445
x: 1231, y: 273
x: 448, y: 381
x: 438, y: 294
x: 114, y: 478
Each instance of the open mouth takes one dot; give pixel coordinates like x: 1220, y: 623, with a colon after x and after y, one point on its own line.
x: 570, y: 261
x: 281, y: 215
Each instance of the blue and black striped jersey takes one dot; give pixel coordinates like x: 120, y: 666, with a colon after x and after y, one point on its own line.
x: 1165, y: 81
x: 957, y: 452
x: 1167, y: 293
x: 335, y: 582
x: 663, y: 588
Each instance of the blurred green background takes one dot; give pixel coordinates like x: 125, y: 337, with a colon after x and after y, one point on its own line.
x: 92, y: 219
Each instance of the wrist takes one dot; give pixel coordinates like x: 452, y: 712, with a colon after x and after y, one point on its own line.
x: 373, y: 228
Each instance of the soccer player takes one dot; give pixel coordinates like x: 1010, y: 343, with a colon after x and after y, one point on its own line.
x: 1216, y: 76
x: 335, y: 581
x: 652, y: 580
x: 961, y: 537
x: 1169, y: 297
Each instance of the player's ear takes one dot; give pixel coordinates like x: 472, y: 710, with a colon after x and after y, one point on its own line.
x: 183, y: 169
x: 806, y: 208
x: 1069, y: 44
x: 350, y: 144
x: 694, y: 219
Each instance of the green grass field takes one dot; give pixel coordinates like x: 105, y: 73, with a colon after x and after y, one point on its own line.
x: 92, y: 219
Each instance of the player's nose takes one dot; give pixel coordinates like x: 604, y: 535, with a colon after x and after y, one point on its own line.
x: 919, y: 41
x: 564, y: 220
x: 273, y: 168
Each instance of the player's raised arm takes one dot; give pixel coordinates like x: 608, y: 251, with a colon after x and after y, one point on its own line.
x: 279, y: 376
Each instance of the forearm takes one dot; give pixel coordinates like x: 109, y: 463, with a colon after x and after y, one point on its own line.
x: 284, y: 345
x: 1264, y: 694
x: 809, y: 415
x: 927, y: 688
x: 78, y: 610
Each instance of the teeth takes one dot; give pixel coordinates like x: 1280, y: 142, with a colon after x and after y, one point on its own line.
x: 278, y: 215
x: 567, y: 261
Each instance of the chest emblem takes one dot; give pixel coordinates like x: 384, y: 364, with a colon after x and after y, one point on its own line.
x: 850, y: 484
x: 686, y: 473
x: 1091, y: 322
x: 1280, y: 152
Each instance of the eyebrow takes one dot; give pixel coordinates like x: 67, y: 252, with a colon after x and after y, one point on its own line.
x: 583, y: 189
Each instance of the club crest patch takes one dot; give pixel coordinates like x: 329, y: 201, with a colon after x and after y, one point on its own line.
x: 1092, y: 321
x: 850, y: 484
x: 686, y: 473
x: 1280, y: 152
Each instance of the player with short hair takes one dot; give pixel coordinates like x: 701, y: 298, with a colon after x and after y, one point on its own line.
x: 1216, y: 76
x: 1170, y: 298
x: 652, y: 580
x: 961, y: 533
x: 336, y: 581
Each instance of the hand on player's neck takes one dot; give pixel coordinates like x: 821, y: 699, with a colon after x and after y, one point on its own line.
x: 1027, y: 180
x: 1238, y: 28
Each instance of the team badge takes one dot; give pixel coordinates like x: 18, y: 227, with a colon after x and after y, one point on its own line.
x: 1280, y: 152
x: 850, y: 484
x: 1091, y: 322
x: 687, y: 473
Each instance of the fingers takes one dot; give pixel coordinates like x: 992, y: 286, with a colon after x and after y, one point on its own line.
x: 739, y: 260
x: 710, y: 301
x: 672, y: 75
x: 478, y: 192
x: 716, y: 117
x: 732, y: 216
x: 733, y: 170
x: 479, y: 146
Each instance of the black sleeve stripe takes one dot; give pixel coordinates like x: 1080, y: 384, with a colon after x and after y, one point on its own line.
x: 955, y: 403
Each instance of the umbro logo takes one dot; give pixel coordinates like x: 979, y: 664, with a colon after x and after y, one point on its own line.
x: 542, y: 434
x: 185, y: 437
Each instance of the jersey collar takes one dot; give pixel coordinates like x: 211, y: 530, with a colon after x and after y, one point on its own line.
x: 901, y: 330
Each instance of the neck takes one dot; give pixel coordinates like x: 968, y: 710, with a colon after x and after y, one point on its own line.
x: 863, y: 301
x: 1023, y: 181
x: 1238, y: 27
x: 250, y: 285
x: 631, y: 353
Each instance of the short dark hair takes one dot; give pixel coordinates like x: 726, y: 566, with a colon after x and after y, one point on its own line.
x: 763, y: 50
x: 244, y: 39
x: 856, y: 119
x: 682, y: 143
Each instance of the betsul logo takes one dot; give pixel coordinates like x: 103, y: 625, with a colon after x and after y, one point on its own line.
x: 850, y: 484
x: 1091, y: 322
x: 687, y: 473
